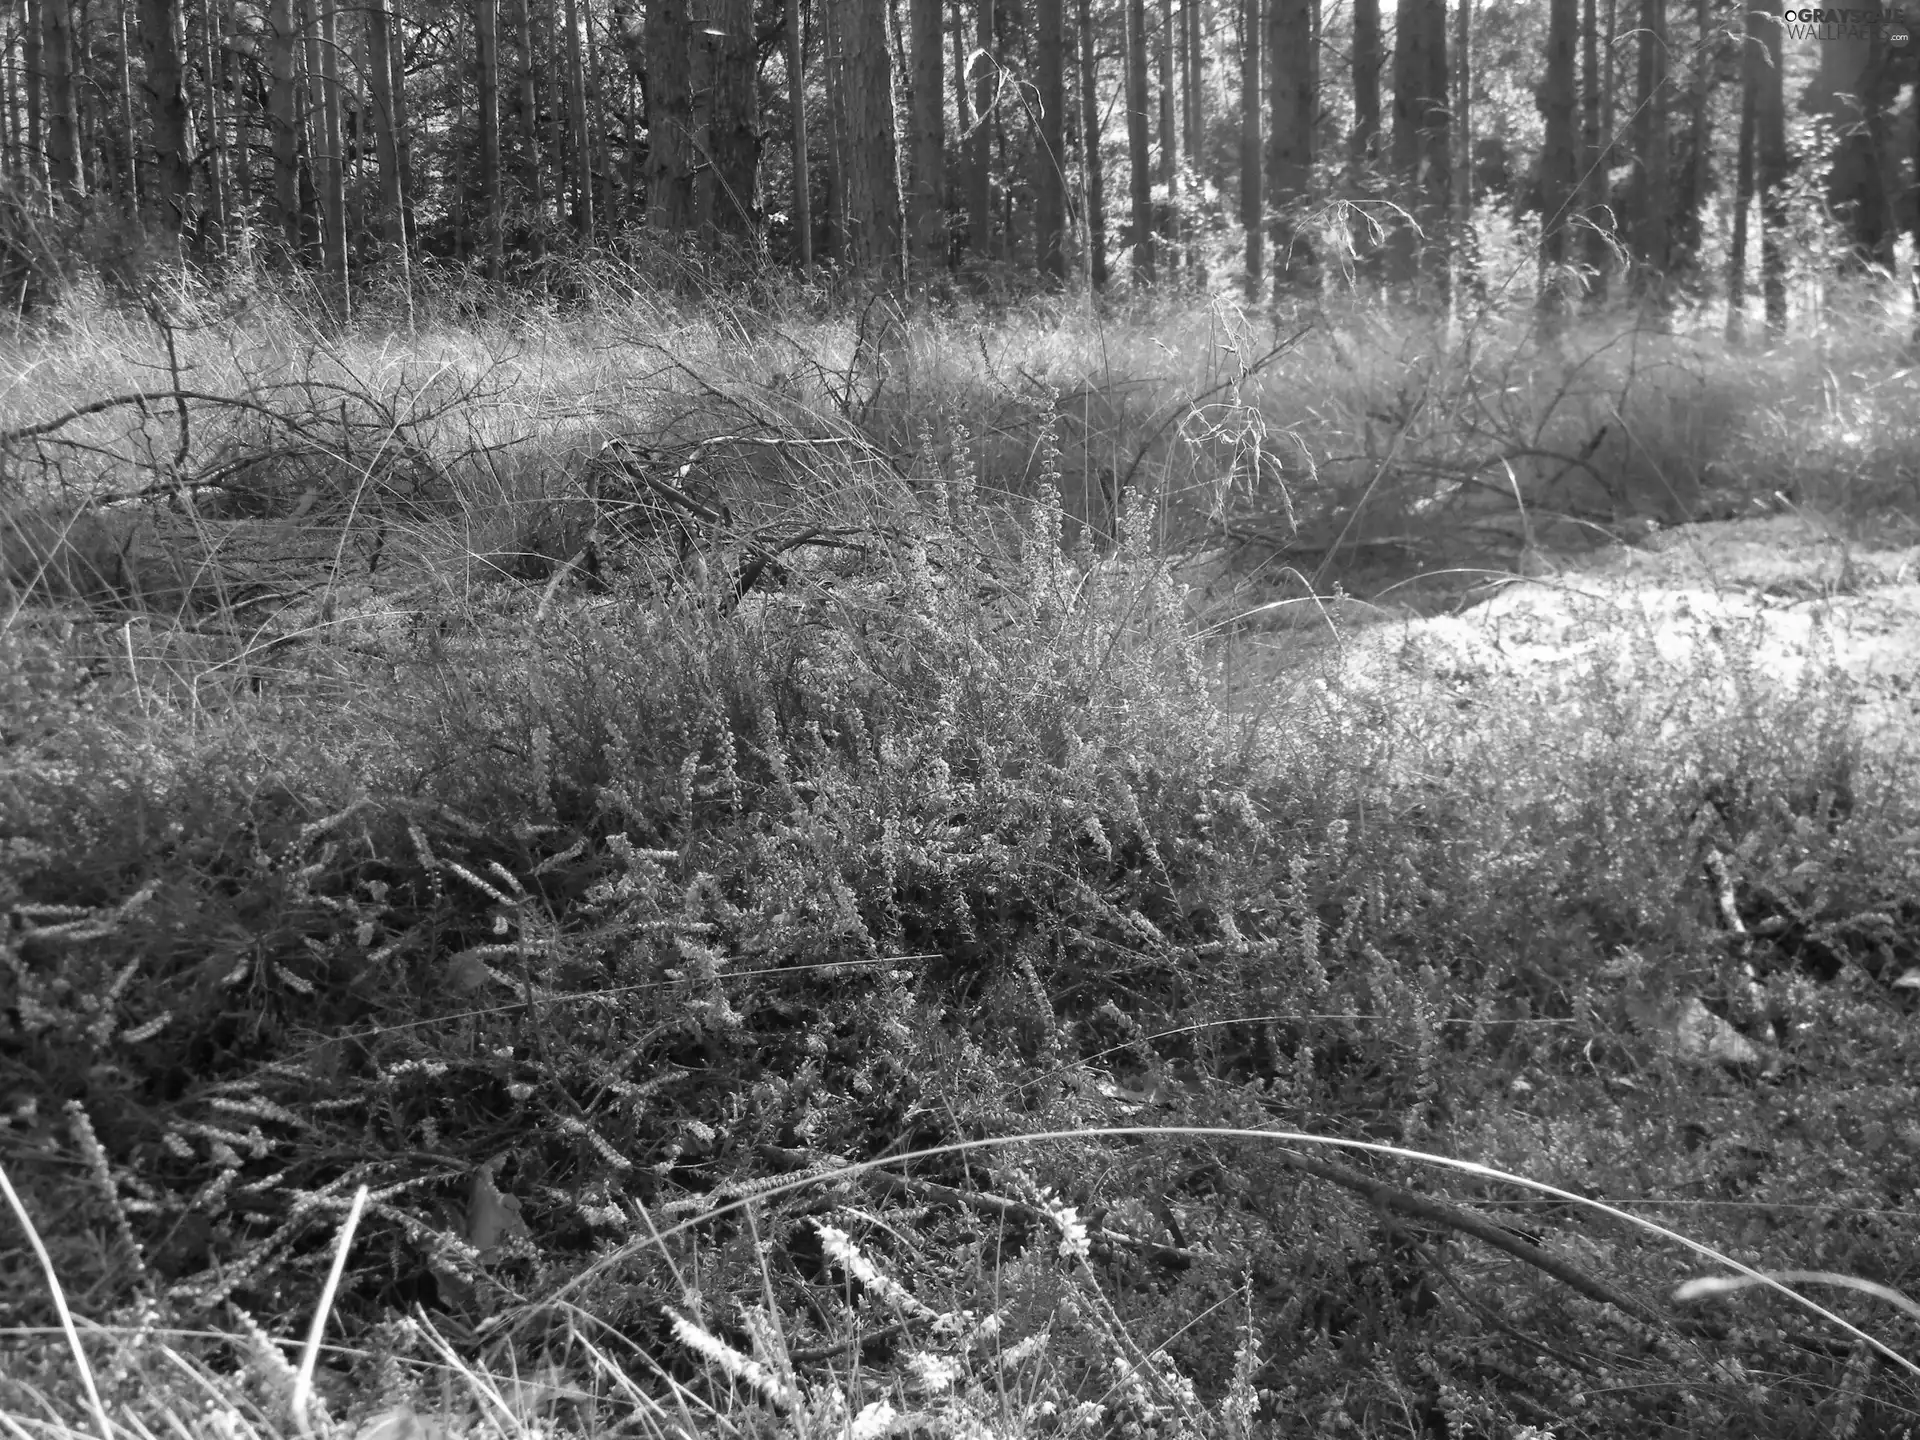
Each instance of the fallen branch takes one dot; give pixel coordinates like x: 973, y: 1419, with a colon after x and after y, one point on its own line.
x: 1465, y: 1222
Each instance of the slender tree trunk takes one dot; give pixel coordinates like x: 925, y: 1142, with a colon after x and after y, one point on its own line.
x: 980, y: 171
x: 402, y: 126
x: 30, y: 59
x: 732, y: 150
x: 1090, y: 143
x: 559, y: 128
x: 486, y: 64
x: 1252, y: 187
x: 1770, y: 158
x: 583, y: 216
x: 1691, y: 186
x: 283, y: 119
x: 331, y: 132
x: 599, y: 163
x: 1293, y: 103
x: 167, y: 111
x: 1558, y: 161
x: 243, y: 135
x: 124, y: 137
x: 1596, y: 149
x: 1464, y: 251
x: 65, y: 172
x: 530, y: 129
x: 1420, y: 136
x: 212, y: 64
x: 1653, y: 197
x: 1368, y: 57
x: 1170, y: 219
x: 861, y: 85
x: 385, y: 127
x: 1050, y: 153
x: 10, y: 80
x: 1752, y: 58
x: 797, y: 105
x: 1193, y: 123
x: 927, y: 205
x: 320, y: 241
x: 1140, y: 175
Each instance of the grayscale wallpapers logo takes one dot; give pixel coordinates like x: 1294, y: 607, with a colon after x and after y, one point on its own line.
x: 1889, y: 26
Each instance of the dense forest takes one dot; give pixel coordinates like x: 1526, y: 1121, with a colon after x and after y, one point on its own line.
x: 1162, y: 142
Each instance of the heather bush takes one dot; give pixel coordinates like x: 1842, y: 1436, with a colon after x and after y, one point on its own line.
x: 571, y: 792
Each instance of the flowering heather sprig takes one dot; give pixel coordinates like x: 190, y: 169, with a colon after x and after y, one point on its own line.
x: 741, y: 1368
x: 101, y: 1173
x: 1074, y: 1244
x: 840, y: 1247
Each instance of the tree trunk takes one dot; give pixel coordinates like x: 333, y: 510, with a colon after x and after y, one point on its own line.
x: 1050, y: 154
x: 1770, y: 159
x: 283, y: 120
x: 486, y: 60
x: 1090, y: 145
x: 1752, y: 57
x: 402, y: 130
x: 980, y: 170
x: 167, y: 110
x: 730, y: 182
x: 530, y: 129
x: 1596, y: 151
x: 10, y: 89
x: 124, y: 139
x: 927, y: 206
x: 333, y: 161
x: 1558, y: 161
x: 1169, y: 137
x: 861, y: 85
x: 1421, y: 162
x: 583, y: 217
x: 1464, y: 250
x: 1191, y: 83
x: 1293, y: 91
x: 313, y: 134
x: 30, y: 59
x: 212, y: 62
x: 1140, y: 173
x: 1252, y: 188
x: 1653, y: 196
x: 672, y: 202
x: 65, y: 172
x: 244, y: 91
x: 1691, y: 189
x: 797, y: 105
x: 1367, y: 60
x: 386, y: 129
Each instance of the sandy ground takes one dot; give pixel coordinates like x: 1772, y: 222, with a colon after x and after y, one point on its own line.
x: 1789, y: 589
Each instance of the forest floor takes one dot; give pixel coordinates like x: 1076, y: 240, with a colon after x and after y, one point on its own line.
x: 744, y: 1001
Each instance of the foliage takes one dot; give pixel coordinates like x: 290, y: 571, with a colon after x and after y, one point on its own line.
x: 487, y: 842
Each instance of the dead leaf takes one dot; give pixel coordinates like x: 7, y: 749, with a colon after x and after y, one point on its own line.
x: 467, y: 971
x: 493, y: 1219
x: 1688, y: 1030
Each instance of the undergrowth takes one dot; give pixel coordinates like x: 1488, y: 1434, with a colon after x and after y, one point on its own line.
x: 574, y: 777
